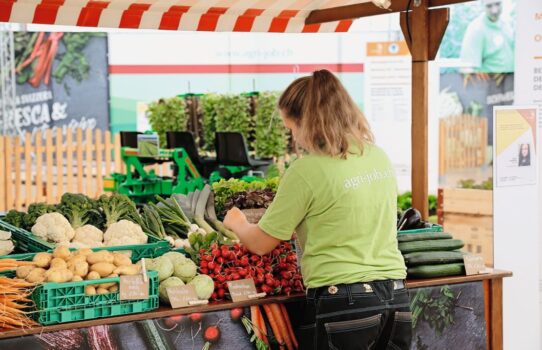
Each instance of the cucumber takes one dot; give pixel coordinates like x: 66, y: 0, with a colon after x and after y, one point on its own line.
x: 430, y: 271
x: 423, y: 236
x: 433, y: 257
x: 434, y: 244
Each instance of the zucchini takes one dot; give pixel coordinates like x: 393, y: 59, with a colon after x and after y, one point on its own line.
x: 434, y: 257
x: 156, y: 339
x: 434, y: 244
x: 430, y: 271
x: 423, y: 236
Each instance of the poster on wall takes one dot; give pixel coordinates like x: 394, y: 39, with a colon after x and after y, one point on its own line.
x: 62, y: 81
x: 515, y: 146
x: 387, y: 97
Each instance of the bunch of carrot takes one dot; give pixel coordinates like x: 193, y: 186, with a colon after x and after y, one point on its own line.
x: 14, y: 298
x: 41, y: 58
x: 12, y: 264
x: 278, y: 318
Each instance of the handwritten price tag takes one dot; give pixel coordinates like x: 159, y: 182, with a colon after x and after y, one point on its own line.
x: 181, y: 296
x: 474, y: 264
x: 134, y: 287
x: 242, y: 290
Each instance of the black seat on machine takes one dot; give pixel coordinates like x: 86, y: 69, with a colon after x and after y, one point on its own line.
x: 231, y: 149
x: 185, y: 139
x: 129, y: 138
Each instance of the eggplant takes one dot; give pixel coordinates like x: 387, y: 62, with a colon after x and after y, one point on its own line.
x: 411, y: 219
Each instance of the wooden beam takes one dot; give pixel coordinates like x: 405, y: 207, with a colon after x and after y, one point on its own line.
x: 368, y: 9
x: 438, y: 22
x: 496, y: 315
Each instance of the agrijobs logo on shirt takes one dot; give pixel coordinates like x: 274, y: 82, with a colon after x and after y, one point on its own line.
x: 368, y: 178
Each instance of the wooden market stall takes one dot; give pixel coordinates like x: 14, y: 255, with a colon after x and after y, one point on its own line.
x: 423, y: 23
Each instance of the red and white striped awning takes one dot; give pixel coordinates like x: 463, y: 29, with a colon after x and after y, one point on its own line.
x: 186, y: 15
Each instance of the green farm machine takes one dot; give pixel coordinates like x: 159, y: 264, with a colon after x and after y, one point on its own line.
x: 190, y: 170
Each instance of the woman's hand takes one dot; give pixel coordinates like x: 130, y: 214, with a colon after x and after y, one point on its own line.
x: 250, y: 235
x: 235, y: 219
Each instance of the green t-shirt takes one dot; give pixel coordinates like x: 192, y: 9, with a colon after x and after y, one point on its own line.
x: 344, y: 212
x: 489, y: 46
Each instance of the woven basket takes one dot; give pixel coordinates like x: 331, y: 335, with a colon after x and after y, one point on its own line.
x: 254, y: 215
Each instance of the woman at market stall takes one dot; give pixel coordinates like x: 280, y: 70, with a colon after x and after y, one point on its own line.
x: 341, y: 200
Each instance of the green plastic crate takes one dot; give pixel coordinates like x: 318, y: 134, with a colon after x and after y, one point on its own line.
x: 434, y: 228
x: 67, y: 302
x: 27, y: 242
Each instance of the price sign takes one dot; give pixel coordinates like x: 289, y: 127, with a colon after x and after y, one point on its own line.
x: 181, y: 296
x: 134, y: 287
x: 474, y: 264
x: 242, y: 290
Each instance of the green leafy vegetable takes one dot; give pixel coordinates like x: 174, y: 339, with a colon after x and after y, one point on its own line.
x: 14, y: 218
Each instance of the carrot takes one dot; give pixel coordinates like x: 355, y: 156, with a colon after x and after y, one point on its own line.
x: 288, y: 325
x: 273, y: 322
x: 254, y: 319
x: 263, y: 328
x: 275, y: 308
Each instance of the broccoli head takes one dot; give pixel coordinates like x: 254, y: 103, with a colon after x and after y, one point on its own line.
x: 14, y: 218
x: 79, y: 210
x: 35, y: 210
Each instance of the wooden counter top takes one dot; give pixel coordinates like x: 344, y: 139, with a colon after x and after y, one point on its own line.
x: 225, y: 305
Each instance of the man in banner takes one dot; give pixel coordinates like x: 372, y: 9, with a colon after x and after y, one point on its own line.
x: 488, y: 45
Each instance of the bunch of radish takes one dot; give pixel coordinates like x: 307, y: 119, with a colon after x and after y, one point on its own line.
x: 275, y: 273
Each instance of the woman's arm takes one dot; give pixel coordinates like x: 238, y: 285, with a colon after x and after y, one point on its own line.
x: 250, y: 235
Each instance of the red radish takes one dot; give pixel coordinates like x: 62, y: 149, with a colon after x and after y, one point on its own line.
x: 211, y: 334
x: 236, y: 313
x: 196, y: 317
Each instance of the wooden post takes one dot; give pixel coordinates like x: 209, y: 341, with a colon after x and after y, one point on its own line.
x: 107, y: 153
x: 49, y: 166
x: 28, y: 169
x: 8, y: 142
x: 39, y: 167
x: 88, y: 162
x: 59, y: 165
x: 79, y: 157
x: 423, y: 33
x: 496, y: 314
x: 99, y: 164
x: 18, y: 181
x: 69, y: 160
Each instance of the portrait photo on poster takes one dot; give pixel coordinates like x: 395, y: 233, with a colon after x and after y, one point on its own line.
x: 524, y: 157
x: 515, y: 146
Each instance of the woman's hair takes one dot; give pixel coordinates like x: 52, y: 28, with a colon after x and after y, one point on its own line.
x: 328, y: 119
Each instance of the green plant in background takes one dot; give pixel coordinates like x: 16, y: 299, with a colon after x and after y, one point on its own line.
x: 208, y: 105
x: 437, y: 309
x: 270, y: 134
x: 232, y: 114
x: 404, y: 201
x: 168, y: 114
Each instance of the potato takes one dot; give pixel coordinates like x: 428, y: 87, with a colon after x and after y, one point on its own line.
x: 93, y: 275
x: 90, y: 290
x: 103, y: 256
x: 23, y: 271
x: 77, y: 278
x: 113, y: 275
x: 104, y: 269
x: 62, y: 252
x: 58, y: 263
x: 42, y: 259
x: 76, y: 258
x: 102, y: 290
x: 79, y: 268
x: 114, y: 289
x: 59, y: 275
x: 128, y: 270
x: 107, y: 285
x: 121, y: 259
x: 83, y: 252
x: 37, y: 275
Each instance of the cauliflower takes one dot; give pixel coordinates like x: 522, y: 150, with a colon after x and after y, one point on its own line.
x: 53, y: 227
x: 87, y: 236
x: 6, y: 245
x: 124, y: 232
